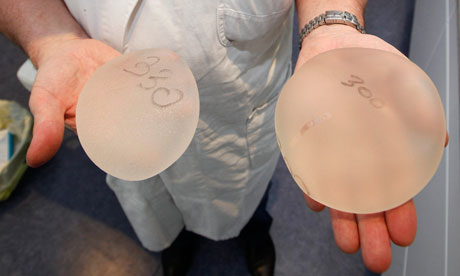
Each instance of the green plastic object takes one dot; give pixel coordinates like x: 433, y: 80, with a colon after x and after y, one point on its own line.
x: 19, y: 122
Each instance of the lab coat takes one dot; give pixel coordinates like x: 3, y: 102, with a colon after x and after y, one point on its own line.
x: 239, y: 52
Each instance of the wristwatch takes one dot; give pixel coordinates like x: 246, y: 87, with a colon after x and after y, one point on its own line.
x: 329, y: 18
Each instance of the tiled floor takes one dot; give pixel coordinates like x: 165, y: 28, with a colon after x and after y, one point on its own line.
x: 64, y: 220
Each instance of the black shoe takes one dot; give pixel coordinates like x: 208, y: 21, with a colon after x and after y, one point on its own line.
x: 178, y: 258
x: 260, y: 255
x: 257, y: 243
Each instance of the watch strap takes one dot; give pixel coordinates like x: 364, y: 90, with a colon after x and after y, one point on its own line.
x: 329, y: 18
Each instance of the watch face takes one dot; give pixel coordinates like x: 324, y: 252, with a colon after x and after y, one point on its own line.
x: 138, y: 113
x: 360, y: 130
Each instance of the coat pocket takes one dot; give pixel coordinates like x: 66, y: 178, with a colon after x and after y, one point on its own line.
x: 243, y: 20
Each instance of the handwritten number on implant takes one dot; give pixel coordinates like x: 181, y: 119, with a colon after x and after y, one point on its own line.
x: 141, y: 73
x: 355, y: 80
x: 151, y: 80
x: 142, y: 68
x: 166, y: 73
x: 163, y: 74
x: 155, y: 58
x: 363, y: 91
x: 171, y: 97
x: 148, y: 87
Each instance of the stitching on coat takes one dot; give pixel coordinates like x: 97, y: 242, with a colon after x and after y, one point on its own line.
x: 221, y: 26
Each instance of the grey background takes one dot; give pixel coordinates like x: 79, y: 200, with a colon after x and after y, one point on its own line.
x: 434, y: 47
x: 64, y: 220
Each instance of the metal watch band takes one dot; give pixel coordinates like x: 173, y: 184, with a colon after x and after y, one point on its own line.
x: 328, y: 18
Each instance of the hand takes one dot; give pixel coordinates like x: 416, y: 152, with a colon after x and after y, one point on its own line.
x: 371, y: 232
x: 63, y: 69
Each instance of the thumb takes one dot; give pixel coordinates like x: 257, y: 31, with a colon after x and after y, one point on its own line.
x: 48, y: 129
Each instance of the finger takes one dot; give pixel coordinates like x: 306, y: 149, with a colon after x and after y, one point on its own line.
x: 447, y: 139
x: 313, y: 204
x: 48, y: 128
x: 375, y: 242
x: 402, y: 223
x: 345, y: 230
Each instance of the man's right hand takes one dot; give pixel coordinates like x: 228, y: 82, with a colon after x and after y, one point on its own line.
x: 65, y: 58
x: 63, y: 69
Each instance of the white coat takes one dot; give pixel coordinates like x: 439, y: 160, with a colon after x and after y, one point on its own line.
x: 239, y: 52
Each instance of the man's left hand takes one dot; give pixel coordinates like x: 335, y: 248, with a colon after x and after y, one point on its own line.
x: 372, y: 233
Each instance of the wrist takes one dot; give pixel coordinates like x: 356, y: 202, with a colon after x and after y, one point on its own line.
x: 309, y: 9
x: 34, y: 25
x: 332, y: 33
x: 328, y: 18
x: 40, y: 49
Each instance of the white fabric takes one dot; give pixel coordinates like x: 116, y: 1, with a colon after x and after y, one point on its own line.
x: 26, y: 74
x: 239, y: 52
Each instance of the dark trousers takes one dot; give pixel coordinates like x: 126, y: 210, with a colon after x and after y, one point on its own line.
x: 260, y: 222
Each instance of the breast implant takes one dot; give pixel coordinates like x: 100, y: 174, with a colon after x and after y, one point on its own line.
x: 138, y: 113
x: 360, y: 130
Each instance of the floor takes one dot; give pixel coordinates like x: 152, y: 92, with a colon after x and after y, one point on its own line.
x: 64, y: 220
